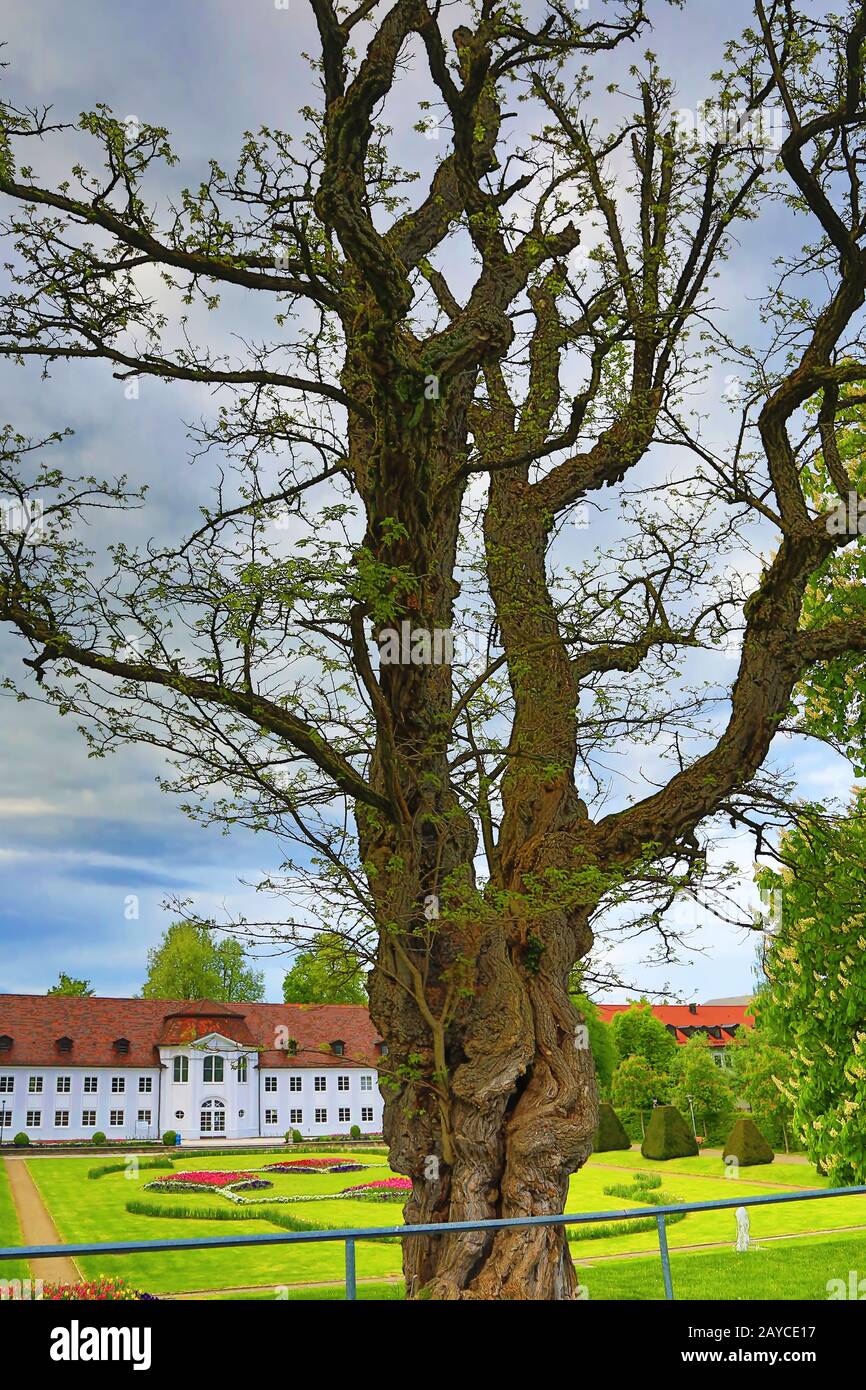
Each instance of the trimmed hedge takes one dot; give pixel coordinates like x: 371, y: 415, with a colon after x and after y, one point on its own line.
x: 610, y: 1133
x: 668, y: 1135
x: 103, y: 1169
x: 747, y: 1144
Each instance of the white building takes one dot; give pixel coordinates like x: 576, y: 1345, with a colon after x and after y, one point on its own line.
x: 134, y: 1068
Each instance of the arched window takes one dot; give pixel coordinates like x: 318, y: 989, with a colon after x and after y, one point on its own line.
x: 213, y: 1117
x: 213, y: 1069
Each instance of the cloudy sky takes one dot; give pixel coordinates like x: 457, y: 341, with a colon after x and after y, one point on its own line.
x: 89, y: 849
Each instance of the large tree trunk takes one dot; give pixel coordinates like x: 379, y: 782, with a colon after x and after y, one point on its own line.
x: 520, y: 1113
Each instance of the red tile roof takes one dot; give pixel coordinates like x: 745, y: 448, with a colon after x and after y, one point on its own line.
x: 679, y: 1017
x: 36, y: 1021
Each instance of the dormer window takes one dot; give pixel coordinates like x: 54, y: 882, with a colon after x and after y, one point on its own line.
x: 338, y: 1047
x: 64, y: 1044
x: 382, y: 1049
x: 121, y: 1045
x: 5, y: 1042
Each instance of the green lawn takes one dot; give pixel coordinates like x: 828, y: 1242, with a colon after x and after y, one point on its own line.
x: 10, y: 1232
x: 85, y: 1208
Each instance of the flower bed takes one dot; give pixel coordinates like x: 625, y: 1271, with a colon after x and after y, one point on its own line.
x: 226, y: 1182
x: 94, y: 1290
x: 384, y: 1190
x: 314, y: 1165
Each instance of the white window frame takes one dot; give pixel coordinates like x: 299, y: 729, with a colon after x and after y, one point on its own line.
x: 217, y: 1063
x: 321, y: 1117
x: 34, y: 1119
x: 86, y: 1121
x: 180, y: 1071
x: 272, y: 1117
x: 7, y: 1085
x: 366, y: 1114
x: 118, y: 1085
x: 64, y: 1085
x: 320, y: 1083
x: 116, y: 1123
x: 91, y: 1085
x: 34, y: 1085
x: 61, y: 1119
x: 270, y: 1084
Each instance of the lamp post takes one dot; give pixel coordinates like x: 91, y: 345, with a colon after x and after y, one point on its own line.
x: 692, y: 1113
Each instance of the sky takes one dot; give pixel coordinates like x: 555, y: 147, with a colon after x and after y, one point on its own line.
x: 91, y: 849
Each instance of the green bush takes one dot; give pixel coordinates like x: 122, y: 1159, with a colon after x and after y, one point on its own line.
x: 355, y: 1132
x: 21, y: 1140
x: 297, y: 1136
x: 668, y: 1135
x: 103, y: 1169
x: 98, y: 1137
x: 169, y: 1138
x: 610, y: 1133
x: 747, y: 1144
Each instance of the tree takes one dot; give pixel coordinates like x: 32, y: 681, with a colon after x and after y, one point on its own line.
x: 189, y: 964
x: 694, y: 1074
x: 66, y: 984
x: 424, y: 345
x: 638, y: 1033
x: 816, y: 992
x: 763, y: 1073
x: 636, y: 1087
x: 327, y: 973
x: 601, y: 1041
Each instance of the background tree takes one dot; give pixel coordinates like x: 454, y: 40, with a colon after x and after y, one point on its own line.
x: 695, y: 1074
x: 425, y: 345
x: 68, y: 985
x: 763, y: 1072
x: 638, y: 1033
x: 601, y: 1042
x: 190, y: 964
x: 326, y: 973
x: 636, y: 1087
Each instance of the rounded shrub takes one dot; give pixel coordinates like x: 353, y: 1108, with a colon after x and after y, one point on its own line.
x: 747, y: 1144
x: 355, y: 1132
x: 610, y: 1133
x: 169, y: 1138
x: 668, y: 1135
x: 21, y: 1140
x: 297, y: 1136
x: 98, y: 1137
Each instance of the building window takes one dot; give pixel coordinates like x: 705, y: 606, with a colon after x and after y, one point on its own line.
x: 181, y: 1069
x: 294, y: 1083
x: 118, y: 1085
x: 115, y: 1118
x: 213, y: 1069
x: 144, y: 1117
x: 34, y: 1086
x: 88, y: 1119
x: 270, y: 1117
x: 64, y: 1084
x: 91, y: 1085
x: 34, y: 1119
x: 7, y: 1085
x: 366, y: 1083
x: 296, y: 1117
x: 344, y: 1114
x: 61, y: 1119
x: 321, y: 1117
x: 6, y: 1117
x: 367, y: 1114
x: 242, y: 1070
x: 338, y: 1048
x: 145, y: 1083
x: 270, y: 1083
x: 320, y: 1083
x: 342, y: 1083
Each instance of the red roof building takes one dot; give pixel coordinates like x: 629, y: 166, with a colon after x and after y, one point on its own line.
x: 720, y: 1022
x: 133, y: 1068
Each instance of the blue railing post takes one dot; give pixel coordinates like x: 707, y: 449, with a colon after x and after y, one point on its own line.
x: 350, y: 1270
x: 665, y: 1254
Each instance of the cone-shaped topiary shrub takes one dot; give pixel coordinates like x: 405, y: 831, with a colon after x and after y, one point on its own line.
x: 610, y: 1133
x: 668, y: 1135
x: 747, y: 1144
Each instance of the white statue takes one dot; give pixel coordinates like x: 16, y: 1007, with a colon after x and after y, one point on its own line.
x: 743, y: 1239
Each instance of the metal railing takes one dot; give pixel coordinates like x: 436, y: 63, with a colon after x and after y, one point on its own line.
x: 350, y: 1237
